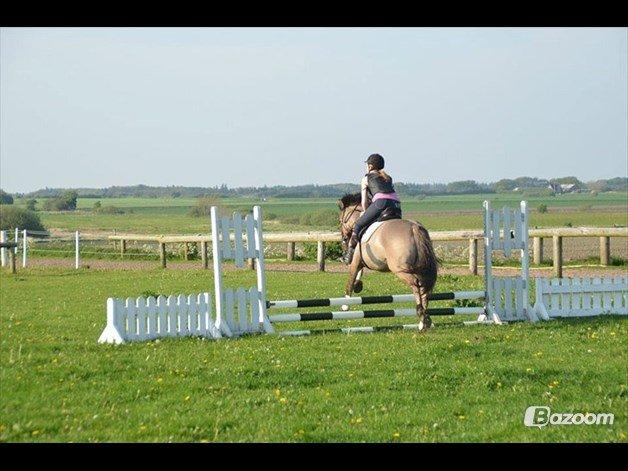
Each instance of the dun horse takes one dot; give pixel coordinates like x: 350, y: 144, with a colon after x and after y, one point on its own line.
x: 399, y: 246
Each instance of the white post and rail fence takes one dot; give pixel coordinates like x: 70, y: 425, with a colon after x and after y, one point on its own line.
x: 538, y: 236
x: 9, y: 249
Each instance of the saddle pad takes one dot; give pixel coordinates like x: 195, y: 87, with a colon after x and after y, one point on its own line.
x: 371, y: 230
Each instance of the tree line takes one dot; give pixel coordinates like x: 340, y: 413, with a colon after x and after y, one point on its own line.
x: 66, y: 198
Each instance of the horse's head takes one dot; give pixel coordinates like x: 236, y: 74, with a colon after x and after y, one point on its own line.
x: 350, y: 209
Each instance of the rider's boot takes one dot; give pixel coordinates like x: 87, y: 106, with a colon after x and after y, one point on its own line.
x: 348, y: 256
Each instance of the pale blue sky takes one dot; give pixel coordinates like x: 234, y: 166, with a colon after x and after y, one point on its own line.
x: 95, y: 107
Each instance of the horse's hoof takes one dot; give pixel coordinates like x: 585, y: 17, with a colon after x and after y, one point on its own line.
x: 358, y: 286
x: 425, y: 325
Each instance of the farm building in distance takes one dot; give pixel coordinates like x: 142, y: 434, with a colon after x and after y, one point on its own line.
x: 564, y: 188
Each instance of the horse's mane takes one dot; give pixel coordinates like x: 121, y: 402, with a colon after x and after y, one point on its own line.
x: 350, y: 199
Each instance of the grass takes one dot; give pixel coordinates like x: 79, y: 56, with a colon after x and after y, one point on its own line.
x: 452, y: 384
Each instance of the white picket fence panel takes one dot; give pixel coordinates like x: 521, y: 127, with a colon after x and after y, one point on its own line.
x: 508, y: 298
x: 581, y: 297
x: 241, y: 311
x: 136, y: 319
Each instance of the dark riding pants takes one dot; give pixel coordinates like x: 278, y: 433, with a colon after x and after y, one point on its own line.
x: 372, y: 213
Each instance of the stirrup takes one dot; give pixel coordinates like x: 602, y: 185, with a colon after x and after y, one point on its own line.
x: 347, y: 258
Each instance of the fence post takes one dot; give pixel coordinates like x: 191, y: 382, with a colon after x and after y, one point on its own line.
x: 320, y: 255
x: 204, y: 254
x: 122, y: 247
x: 17, y: 239
x: 605, y: 251
x: 558, y: 256
x: 290, y: 251
x: 77, y: 260
x: 473, y: 256
x: 24, y: 249
x: 162, y: 254
x: 537, y: 250
x: 3, y: 251
x: 12, y: 256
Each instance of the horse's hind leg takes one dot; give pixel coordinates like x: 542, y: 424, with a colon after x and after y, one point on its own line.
x: 420, y: 297
x: 426, y: 319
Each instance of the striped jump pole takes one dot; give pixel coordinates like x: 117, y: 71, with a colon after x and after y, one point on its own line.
x: 394, y: 298
x: 343, y: 315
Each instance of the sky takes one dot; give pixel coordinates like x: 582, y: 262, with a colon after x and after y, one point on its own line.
x: 97, y: 107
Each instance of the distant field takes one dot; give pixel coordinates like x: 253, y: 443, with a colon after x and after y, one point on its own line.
x: 171, y: 215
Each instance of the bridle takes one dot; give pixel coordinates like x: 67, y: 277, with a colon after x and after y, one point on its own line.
x: 345, y: 219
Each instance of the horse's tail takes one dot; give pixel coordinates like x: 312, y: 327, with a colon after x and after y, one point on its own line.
x: 427, y: 263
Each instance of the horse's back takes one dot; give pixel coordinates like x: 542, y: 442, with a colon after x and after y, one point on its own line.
x: 400, y: 229
x: 393, y: 245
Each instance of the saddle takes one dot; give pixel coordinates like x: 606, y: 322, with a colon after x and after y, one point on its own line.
x: 387, y: 214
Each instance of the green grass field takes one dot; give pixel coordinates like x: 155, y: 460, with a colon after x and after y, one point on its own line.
x: 171, y: 215
x: 452, y: 384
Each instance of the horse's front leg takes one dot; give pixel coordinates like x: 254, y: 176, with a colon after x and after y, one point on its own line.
x: 355, y: 270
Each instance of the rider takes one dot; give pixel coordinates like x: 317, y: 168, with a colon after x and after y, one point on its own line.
x: 378, y: 184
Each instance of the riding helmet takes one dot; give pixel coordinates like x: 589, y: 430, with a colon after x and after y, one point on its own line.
x: 376, y: 160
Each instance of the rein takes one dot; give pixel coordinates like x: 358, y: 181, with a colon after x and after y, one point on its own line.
x: 345, y: 219
x: 344, y: 222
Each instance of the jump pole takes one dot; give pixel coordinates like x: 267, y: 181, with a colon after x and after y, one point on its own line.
x: 344, y: 315
x: 358, y: 300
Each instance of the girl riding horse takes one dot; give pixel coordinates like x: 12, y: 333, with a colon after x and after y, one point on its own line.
x: 377, y: 185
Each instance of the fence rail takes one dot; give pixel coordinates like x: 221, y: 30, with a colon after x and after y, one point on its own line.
x: 472, y: 236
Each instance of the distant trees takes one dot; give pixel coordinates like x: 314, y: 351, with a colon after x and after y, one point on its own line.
x: 30, y: 204
x: 525, y: 185
x: 614, y: 184
x: 65, y: 202
x: 5, y: 198
x: 466, y: 187
x: 521, y: 183
x: 203, y: 206
x: 14, y: 216
x: 567, y: 181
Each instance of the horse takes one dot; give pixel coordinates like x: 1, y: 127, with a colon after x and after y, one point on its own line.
x: 399, y: 246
